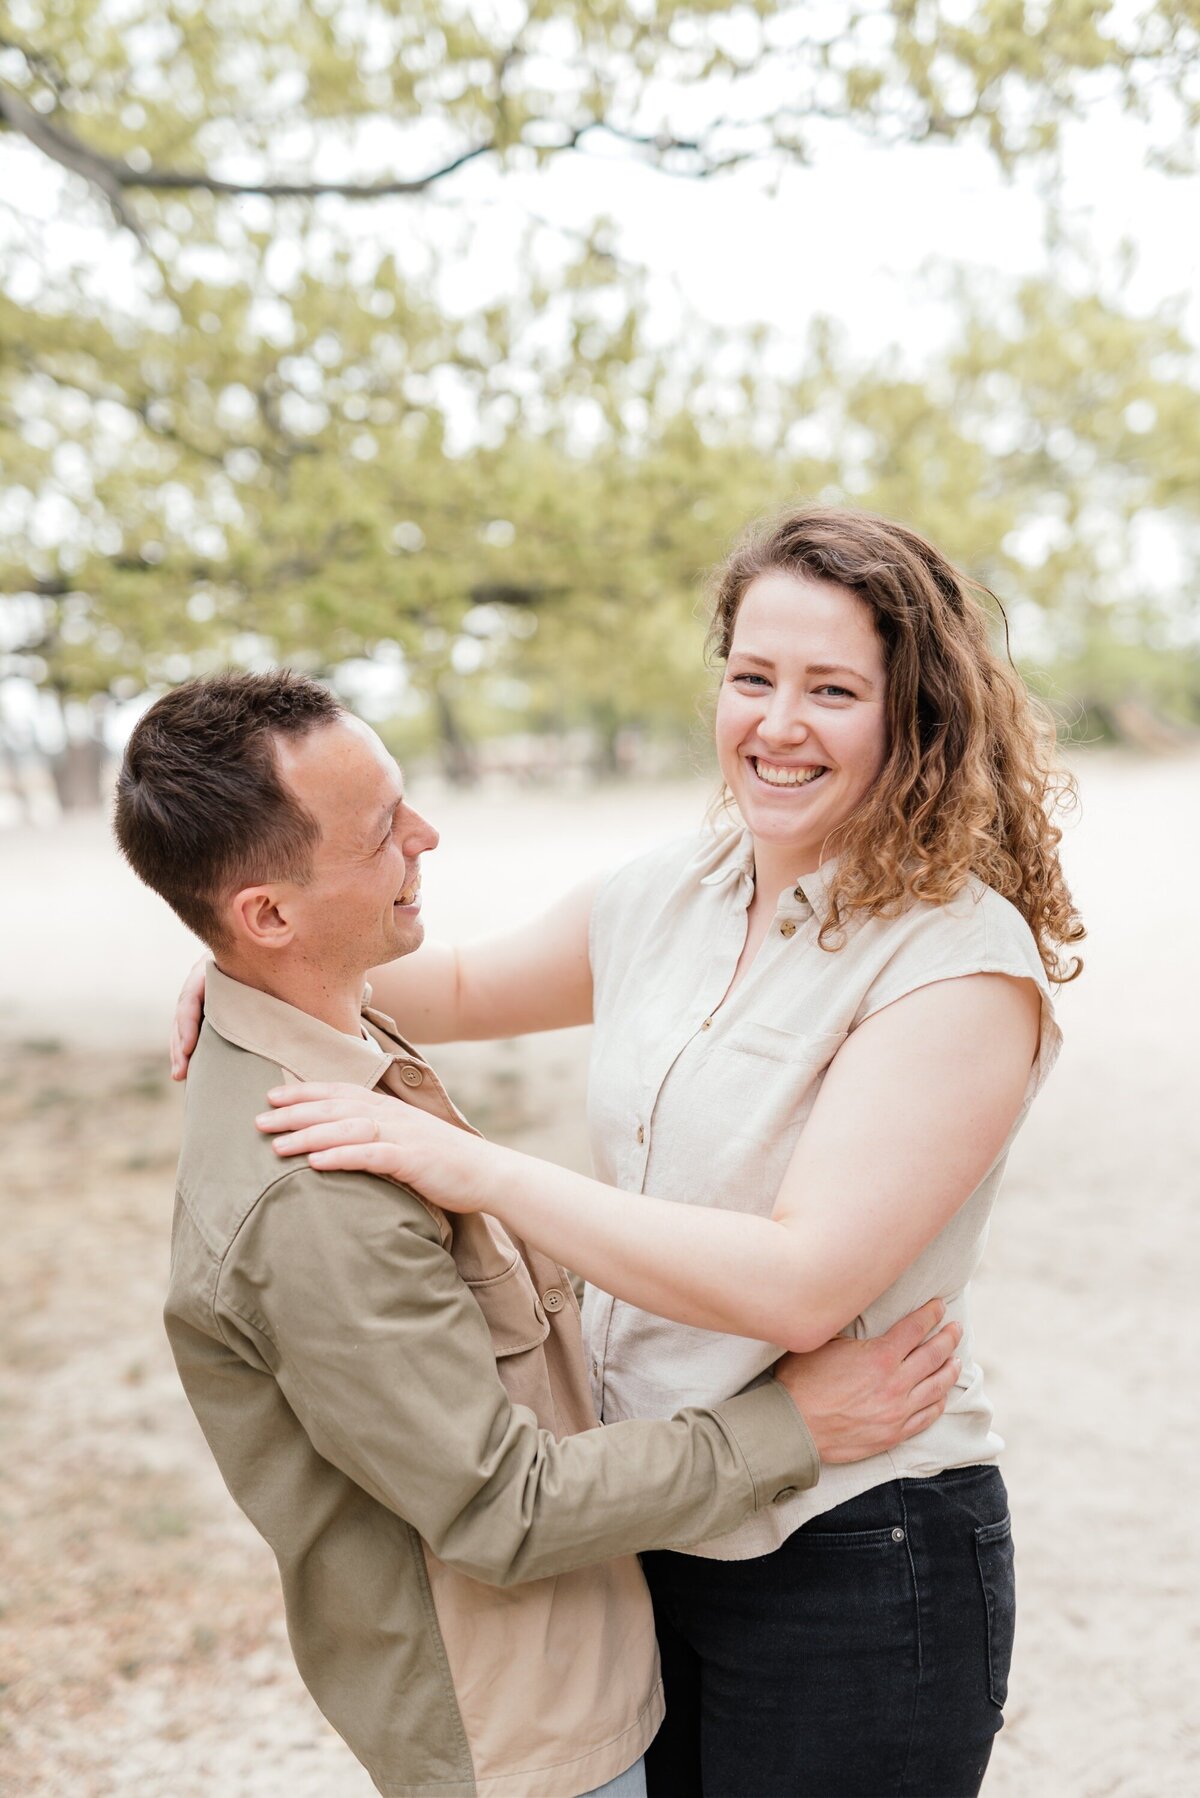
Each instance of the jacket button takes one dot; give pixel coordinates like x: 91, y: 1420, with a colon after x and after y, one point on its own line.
x: 782, y: 1496
x: 553, y: 1300
x: 410, y: 1075
x: 788, y: 927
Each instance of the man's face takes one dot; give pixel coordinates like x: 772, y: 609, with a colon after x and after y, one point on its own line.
x: 362, y: 905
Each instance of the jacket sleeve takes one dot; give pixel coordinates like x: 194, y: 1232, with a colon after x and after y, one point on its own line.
x: 341, y: 1284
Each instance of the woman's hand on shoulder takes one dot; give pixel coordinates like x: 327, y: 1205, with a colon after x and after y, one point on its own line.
x: 338, y: 1125
x: 189, y: 1014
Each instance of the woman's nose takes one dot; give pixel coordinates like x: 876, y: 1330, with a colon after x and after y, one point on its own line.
x: 783, y: 721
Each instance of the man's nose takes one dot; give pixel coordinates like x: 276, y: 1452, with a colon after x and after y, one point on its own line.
x: 420, y: 835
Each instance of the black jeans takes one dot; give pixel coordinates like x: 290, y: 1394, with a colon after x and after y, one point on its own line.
x: 866, y: 1658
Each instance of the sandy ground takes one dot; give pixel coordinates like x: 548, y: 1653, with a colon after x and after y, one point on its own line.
x: 141, y: 1633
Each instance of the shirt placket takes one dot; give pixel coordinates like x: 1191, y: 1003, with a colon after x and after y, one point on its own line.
x: 730, y: 939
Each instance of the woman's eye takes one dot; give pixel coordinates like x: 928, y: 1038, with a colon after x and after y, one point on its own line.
x: 742, y: 679
x: 839, y: 692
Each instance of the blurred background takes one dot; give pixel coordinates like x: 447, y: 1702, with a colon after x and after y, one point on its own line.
x: 439, y: 350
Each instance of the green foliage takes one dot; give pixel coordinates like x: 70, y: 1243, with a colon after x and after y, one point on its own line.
x: 162, y: 85
x: 262, y: 430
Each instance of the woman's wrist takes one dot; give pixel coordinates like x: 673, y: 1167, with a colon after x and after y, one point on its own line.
x: 478, y: 1173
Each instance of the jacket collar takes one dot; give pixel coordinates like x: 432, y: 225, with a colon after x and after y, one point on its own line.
x: 301, y: 1044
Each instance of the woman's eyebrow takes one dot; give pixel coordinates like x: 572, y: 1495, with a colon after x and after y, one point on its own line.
x: 839, y: 668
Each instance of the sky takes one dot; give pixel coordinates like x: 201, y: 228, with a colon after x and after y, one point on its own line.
x: 859, y: 235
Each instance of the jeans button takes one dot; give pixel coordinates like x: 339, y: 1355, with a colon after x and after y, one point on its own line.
x: 897, y: 1535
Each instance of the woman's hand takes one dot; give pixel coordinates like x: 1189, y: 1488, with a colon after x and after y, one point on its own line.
x: 189, y: 1013
x: 345, y: 1126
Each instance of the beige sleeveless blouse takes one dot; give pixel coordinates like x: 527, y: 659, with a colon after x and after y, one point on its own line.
x: 701, y: 1102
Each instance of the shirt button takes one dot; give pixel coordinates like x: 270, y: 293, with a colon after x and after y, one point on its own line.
x: 553, y: 1300
x: 788, y: 927
x: 410, y: 1075
x: 595, y: 1370
x: 800, y: 894
x: 782, y: 1496
x: 641, y: 1133
x: 706, y: 1024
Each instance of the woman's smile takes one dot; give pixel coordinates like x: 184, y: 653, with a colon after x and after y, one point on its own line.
x: 781, y: 774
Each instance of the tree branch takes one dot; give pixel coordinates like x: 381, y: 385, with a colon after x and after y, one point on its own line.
x: 65, y: 148
x: 113, y: 175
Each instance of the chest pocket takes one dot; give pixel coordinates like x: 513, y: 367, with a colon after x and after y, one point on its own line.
x: 797, y: 1049
x: 515, y: 1319
x: 518, y: 1327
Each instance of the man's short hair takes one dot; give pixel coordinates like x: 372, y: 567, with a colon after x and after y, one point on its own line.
x: 201, y: 808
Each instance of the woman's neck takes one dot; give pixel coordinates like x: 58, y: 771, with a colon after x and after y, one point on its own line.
x: 780, y: 865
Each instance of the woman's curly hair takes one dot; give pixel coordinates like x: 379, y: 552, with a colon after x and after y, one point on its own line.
x: 972, y: 781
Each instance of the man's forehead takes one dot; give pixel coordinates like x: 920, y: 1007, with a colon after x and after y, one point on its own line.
x: 344, y: 774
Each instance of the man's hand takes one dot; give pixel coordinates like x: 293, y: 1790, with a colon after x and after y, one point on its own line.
x: 861, y: 1398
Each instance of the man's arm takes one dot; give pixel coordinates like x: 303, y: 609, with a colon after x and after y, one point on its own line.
x: 344, y: 1285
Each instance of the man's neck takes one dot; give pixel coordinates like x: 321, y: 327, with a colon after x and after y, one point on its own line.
x: 334, y: 1000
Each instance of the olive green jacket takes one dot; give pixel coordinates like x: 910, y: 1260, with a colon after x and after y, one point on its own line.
x: 398, y: 1402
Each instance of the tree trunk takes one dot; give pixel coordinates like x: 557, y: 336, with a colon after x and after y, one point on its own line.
x: 458, y: 754
x: 77, y: 770
x: 78, y: 775
x: 606, y: 758
x: 16, y: 781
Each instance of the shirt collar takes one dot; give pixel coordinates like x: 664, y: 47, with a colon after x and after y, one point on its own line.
x: 301, y: 1044
x: 733, y: 854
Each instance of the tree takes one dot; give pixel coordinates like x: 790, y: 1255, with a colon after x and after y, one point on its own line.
x: 255, y: 425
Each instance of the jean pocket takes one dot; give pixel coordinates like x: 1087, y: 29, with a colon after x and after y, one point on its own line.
x: 994, y: 1553
x: 807, y: 1538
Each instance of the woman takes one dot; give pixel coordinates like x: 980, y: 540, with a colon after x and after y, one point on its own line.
x: 820, y: 1033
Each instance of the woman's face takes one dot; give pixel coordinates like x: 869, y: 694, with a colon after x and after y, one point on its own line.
x: 801, y: 721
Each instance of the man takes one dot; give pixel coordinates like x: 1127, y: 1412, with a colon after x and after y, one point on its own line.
x: 395, y: 1398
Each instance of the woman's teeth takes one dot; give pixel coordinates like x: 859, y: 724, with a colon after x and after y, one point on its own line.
x: 784, y: 777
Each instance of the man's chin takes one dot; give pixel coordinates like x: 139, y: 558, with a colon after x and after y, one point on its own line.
x: 406, y: 934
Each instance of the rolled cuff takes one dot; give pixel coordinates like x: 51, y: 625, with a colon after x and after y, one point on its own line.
x: 773, y: 1440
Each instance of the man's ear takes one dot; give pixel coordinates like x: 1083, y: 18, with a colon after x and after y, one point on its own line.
x: 260, y: 918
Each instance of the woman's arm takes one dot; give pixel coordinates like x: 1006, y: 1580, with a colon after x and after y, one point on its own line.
x: 536, y: 978
x: 914, y: 1109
